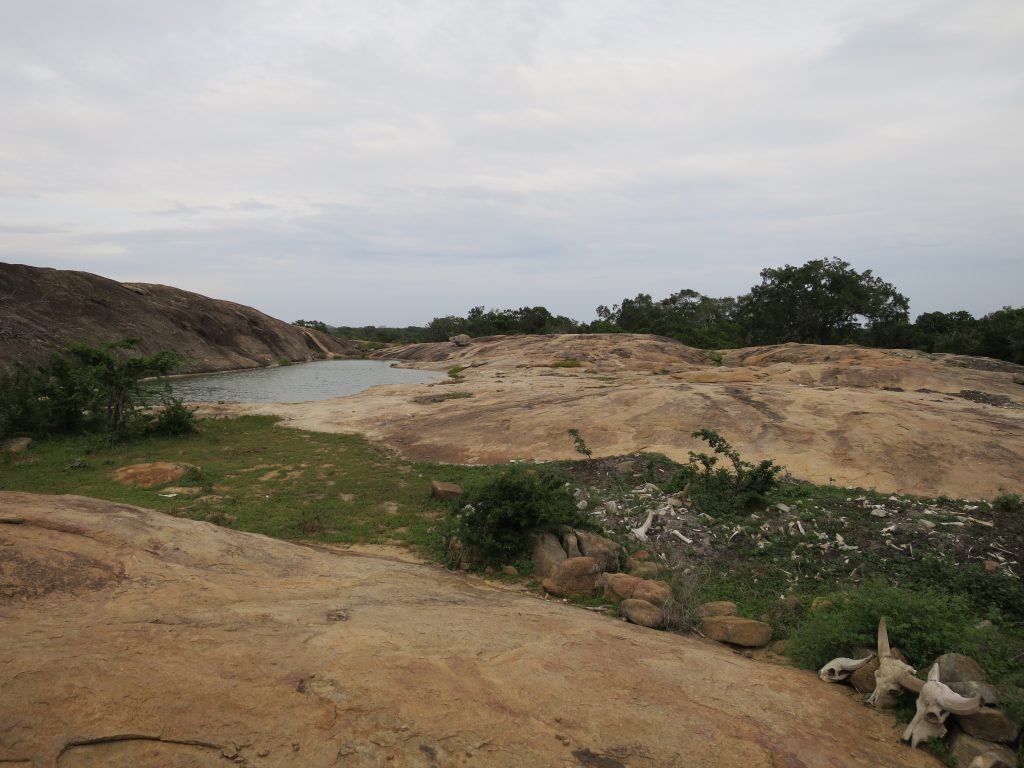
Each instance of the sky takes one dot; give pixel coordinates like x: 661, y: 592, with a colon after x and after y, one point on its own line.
x: 385, y: 162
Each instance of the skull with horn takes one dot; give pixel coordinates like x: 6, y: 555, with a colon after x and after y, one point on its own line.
x: 892, y: 675
x: 934, y: 704
x: 839, y: 670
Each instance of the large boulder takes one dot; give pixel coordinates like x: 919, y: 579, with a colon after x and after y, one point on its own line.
x: 605, y: 551
x: 655, y: 592
x: 737, y: 631
x: 620, y: 586
x: 957, y: 668
x: 461, y: 340
x: 991, y: 724
x: 574, y: 577
x: 643, y: 613
x: 445, y: 491
x: 719, y: 608
x: 965, y: 748
x: 970, y: 688
x: 547, y: 554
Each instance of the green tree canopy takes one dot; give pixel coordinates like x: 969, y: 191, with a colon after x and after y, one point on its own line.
x: 825, y: 301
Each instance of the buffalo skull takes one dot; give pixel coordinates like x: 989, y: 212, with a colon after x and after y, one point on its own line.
x: 892, y: 675
x: 839, y: 670
x: 934, y: 703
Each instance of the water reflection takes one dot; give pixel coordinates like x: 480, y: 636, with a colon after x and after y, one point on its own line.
x: 296, y: 383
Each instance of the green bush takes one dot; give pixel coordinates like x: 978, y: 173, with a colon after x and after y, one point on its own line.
x: 1009, y: 503
x: 718, y: 490
x: 175, y: 418
x: 923, y: 623
x: 570, y: 362
x: 455, y: 370
x: 493, y: 522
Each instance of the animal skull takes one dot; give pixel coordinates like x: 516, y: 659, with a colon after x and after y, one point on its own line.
x: 892, y: 675
x: 839, y: 670
x: 934, y: 704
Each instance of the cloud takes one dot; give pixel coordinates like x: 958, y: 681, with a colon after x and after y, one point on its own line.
x: 391, y: 161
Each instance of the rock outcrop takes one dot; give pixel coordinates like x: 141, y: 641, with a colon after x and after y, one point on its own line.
x: 43, y: 309
x: 895, y: 420
x: 134, y: 638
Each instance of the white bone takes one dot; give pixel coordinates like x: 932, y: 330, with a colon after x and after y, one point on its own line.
x: 892, y: 674
x: 839, y: 670
x: 641, y: 532
x: 935, y: 702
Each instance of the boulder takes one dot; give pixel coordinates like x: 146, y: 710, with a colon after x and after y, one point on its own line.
x: 738, y: 631
x: 989, y: 760
x: 547, y: 554
x: 965, y: 748
x: 957, y: 668
x: 719, y: 608
x: 461, y: 340
x: 863, y: 679
x: 15, y: 444
x: 574, y: 577
x: 655, y: 592
x: 445, y: 491
x: 620, y: 586
x: 605, y: 551
x: 643, y: 568
x: 151, y: 474
x: 991, y: 724
x: 643, y: 613
x: 970, y: 688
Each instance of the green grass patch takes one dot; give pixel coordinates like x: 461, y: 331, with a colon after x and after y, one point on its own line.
x: 455, y: 370
x: 567, y: 363
x: 427, y: 399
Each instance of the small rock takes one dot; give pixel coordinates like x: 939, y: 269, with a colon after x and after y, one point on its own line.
x: 625, y: 467
x: 957, y: 668
x: 445, y: 491
x: 991, y: 724
x: 674, y: 502
x: 991, y: 565
x: 547, y: 554
x: 655, y: 592
x: 619, y: 586
x: 738, y: 631
x: 510, y: 570
x: 15, y: 444
x: 574, y: 577
x: 819, y: 604
x: 605, y: 551
x: 643, y: 613
x: 719, y: 608
x: 784, y: 508
x: 582, y: 505
x: 989, y: 760
x: 965, y: 748
x: 984, y: 624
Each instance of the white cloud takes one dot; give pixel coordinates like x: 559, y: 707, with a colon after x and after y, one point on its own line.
x: 389, y: 161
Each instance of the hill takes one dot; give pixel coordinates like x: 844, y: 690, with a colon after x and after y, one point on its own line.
x: 42, y: 309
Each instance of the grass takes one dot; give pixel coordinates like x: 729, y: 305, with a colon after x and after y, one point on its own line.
x: 428, y: 399
x: 568, y: 363
x: 455, y: 370
x: 263, y: 478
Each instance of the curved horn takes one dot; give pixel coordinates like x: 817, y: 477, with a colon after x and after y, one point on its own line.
x: 955, y: 703
x: 852, y: 665
x: 933, y: 673
x: 911, y: 683
x: 883, y: 640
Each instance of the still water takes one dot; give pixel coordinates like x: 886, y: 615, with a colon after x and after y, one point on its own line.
x: 296, y: 383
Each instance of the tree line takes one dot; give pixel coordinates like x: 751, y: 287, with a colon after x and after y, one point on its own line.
x: 824, y: 301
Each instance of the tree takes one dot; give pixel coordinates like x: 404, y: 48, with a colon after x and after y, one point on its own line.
x: 825, y: 301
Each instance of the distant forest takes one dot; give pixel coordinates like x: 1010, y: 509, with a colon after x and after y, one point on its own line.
x: 824, y: 301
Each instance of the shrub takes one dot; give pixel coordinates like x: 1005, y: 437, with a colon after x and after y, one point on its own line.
x: 717, y: 489
x: 1009, y: 503
x: 493, y: 522
x: 923, y: 623
x: 176, y: 418
x: 579, y: 443
x: 455, y: 370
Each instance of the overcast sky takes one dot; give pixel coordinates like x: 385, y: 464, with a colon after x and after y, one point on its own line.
x: 388, y: 161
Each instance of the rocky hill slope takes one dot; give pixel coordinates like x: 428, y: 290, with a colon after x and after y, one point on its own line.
x: 894, y: 420
x: 134, y: 638
x: 41, y: 309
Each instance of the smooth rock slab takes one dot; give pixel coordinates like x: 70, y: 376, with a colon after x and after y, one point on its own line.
x: 286, y: 656
x: 738, y: 631
x: 151, y: 474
